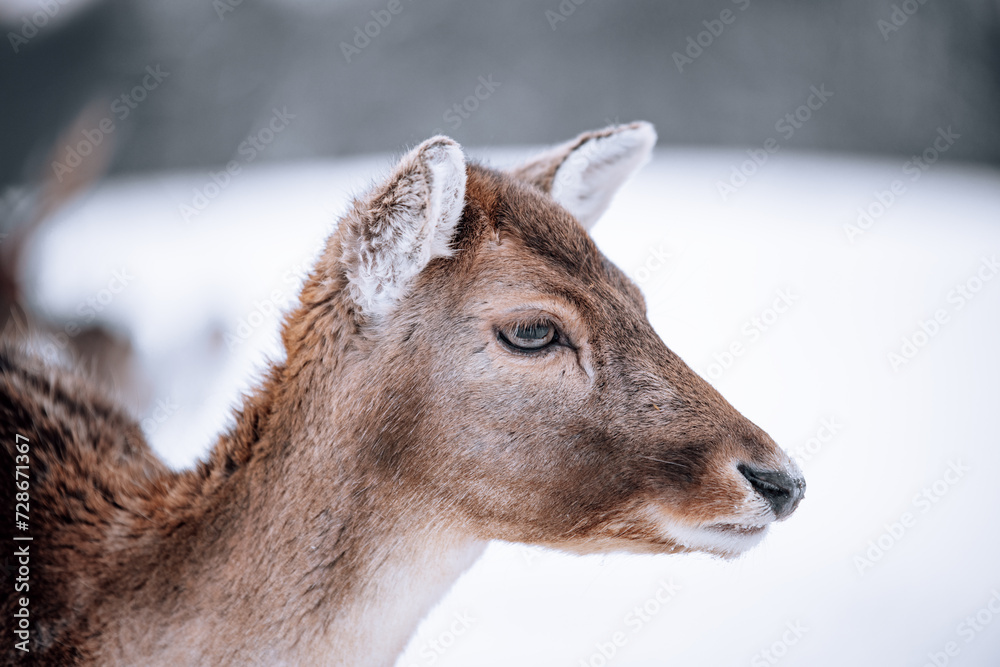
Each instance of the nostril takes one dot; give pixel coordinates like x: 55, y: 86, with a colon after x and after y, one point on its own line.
x: 782, y: 491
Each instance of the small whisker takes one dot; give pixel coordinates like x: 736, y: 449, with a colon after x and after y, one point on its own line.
x: 669, y: 463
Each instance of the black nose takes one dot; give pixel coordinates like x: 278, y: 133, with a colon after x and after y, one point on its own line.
x: 782, y: 491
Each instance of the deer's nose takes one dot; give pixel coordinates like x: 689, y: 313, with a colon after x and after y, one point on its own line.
x: 781, y: 490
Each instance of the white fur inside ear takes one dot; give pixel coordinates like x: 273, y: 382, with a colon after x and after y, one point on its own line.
x: 588, y: 178
x: 447, y: 165
x: 404, y: 223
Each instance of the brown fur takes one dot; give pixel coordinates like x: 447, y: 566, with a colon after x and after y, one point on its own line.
x: 372, y: 464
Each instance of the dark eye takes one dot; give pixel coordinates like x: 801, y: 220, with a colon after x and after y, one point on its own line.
x: 528, y: 337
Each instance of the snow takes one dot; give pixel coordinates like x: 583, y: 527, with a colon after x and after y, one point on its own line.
x: 813, y: 370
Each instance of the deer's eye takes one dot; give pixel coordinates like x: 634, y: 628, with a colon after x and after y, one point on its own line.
x: 528, y: 337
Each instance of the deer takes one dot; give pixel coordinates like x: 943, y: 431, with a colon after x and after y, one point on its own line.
x: 462, y: 365
x: 96, y: 348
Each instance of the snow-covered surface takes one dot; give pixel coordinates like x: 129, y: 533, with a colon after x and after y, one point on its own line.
x: 779, y: 240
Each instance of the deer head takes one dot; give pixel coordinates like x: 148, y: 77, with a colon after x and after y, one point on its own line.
x: 501, y: 372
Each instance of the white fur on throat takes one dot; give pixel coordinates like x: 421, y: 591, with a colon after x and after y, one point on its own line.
x: 404, y: 223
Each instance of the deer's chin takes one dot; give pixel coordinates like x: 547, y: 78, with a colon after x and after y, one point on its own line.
x: 726, y: 539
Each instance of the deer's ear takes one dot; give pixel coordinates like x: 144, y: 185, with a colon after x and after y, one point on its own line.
x: 395, y: 231
x: 583, y: 174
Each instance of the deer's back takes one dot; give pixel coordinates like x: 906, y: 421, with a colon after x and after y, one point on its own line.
x: 90, y: 474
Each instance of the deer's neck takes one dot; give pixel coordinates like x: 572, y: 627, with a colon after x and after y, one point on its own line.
x: 310, y: 556
x: 341, y: 581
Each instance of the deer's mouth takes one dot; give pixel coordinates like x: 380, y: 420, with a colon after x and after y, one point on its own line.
x: 723, y: 538
x: 737, y: 529
x: 730, y: 539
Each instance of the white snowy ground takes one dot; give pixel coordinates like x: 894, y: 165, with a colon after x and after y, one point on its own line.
x: 817, y: 377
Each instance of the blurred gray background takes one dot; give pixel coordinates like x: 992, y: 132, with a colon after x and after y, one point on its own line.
x: 554, y: 68
x: 901, y: 72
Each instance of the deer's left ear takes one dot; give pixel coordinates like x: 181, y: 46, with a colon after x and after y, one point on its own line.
x: 583, y: 174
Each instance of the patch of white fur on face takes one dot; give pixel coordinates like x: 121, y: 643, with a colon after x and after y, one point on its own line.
x: 393, y: 233
x: 588, y: 178
x: 722, y: 539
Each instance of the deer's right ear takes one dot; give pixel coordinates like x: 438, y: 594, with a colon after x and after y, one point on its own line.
x: 583, y: 174
x: 398, y: 228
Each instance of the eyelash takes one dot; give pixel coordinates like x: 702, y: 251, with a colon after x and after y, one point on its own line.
x: 519, y: 325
